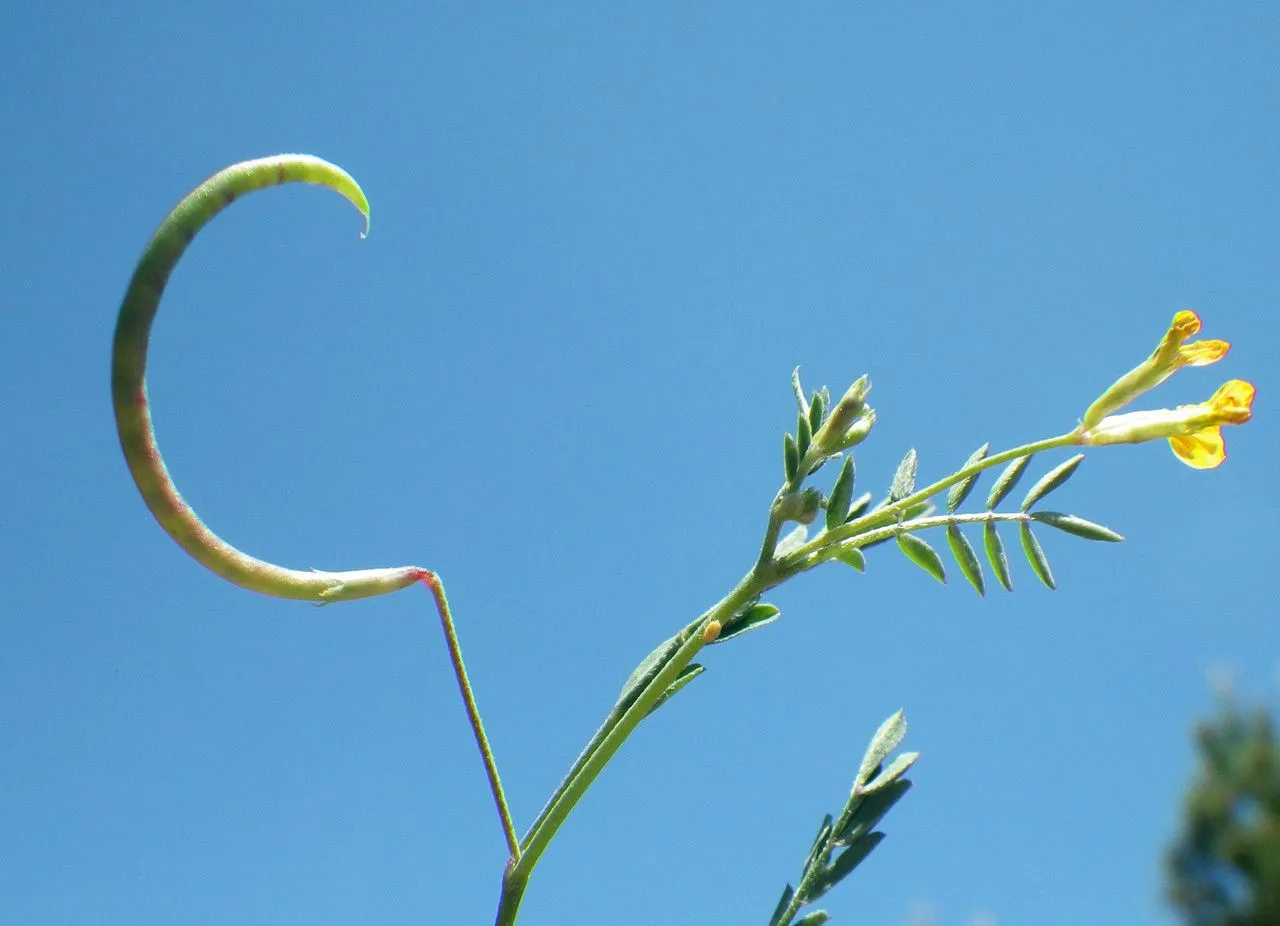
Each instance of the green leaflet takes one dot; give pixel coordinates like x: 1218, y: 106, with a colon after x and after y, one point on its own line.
x: 1051, y: 480
x: 904, y: 480
x: 844, y: 863
x: 841, y: 496
x: 922, y: 555
x: 751, y: 618
x: 790, y: 457
x: 804, y: 434
x: 687, y: 674
x: 817, y: 410
x: 1078, y: 526
x: 1035, y: 555
x: 646, y: 672
x: 965, y: 558
x: 960, y: 491
x: 1008, y: 479
x: 996, y: 556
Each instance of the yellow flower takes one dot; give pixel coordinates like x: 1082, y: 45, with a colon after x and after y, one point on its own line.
x: 1194, y: 431
x: 1170, y: 355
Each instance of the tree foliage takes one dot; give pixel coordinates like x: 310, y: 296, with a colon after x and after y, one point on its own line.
x: 1224, y: 867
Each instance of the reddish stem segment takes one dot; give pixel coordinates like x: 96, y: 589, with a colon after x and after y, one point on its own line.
x: 433, y: 584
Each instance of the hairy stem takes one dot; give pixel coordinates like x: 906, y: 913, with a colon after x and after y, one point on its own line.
x: 432, y: 582
x: 620, y: 724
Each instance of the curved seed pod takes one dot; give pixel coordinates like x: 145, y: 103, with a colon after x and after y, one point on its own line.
x: 129, y: 388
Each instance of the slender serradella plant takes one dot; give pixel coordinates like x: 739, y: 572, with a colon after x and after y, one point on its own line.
x: 846, y: 527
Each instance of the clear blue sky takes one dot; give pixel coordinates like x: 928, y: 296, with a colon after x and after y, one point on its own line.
x: 556, y: 372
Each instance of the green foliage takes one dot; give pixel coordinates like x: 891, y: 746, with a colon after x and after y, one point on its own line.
x: 841, y: 496
x: 859, y: 507
x: 960, y: 491
x: 687, y: 674
x: 844, y: 842
x: 804, y: 434
x: 996, y: 555
x: 790, y: 457
x: 965, y: 558
x: 904, y: 480
x: 818, y: 408
x: 852, y: 556
x: 1051, y: 480
x: 752, y: 618
x: 1036, y: 556
x: 1224, y: 866
x: 905, y: 510
x: 1078, y: 526
x: 1007, y: 480
x: 922, y: 555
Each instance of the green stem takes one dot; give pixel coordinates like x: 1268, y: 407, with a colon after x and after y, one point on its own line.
x: 812, y: 871
x: 513, y: 886
x: 620, y: 724
x: 772, y: 531
x: 806, y: 882
x: 433, y: 584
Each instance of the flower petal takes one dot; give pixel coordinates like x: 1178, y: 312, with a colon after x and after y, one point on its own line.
x: 1185, y: 324
x: 1194, y: 431
x: 1202, y: 450
x: 1202, y: 353
x: 1234, y: 401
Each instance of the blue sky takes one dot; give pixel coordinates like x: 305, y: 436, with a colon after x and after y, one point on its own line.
x: 556, y: 372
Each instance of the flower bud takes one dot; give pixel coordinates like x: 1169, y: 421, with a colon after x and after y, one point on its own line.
x: 849, y: 421
x: 1170, y: 355
x: 802, y: 507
